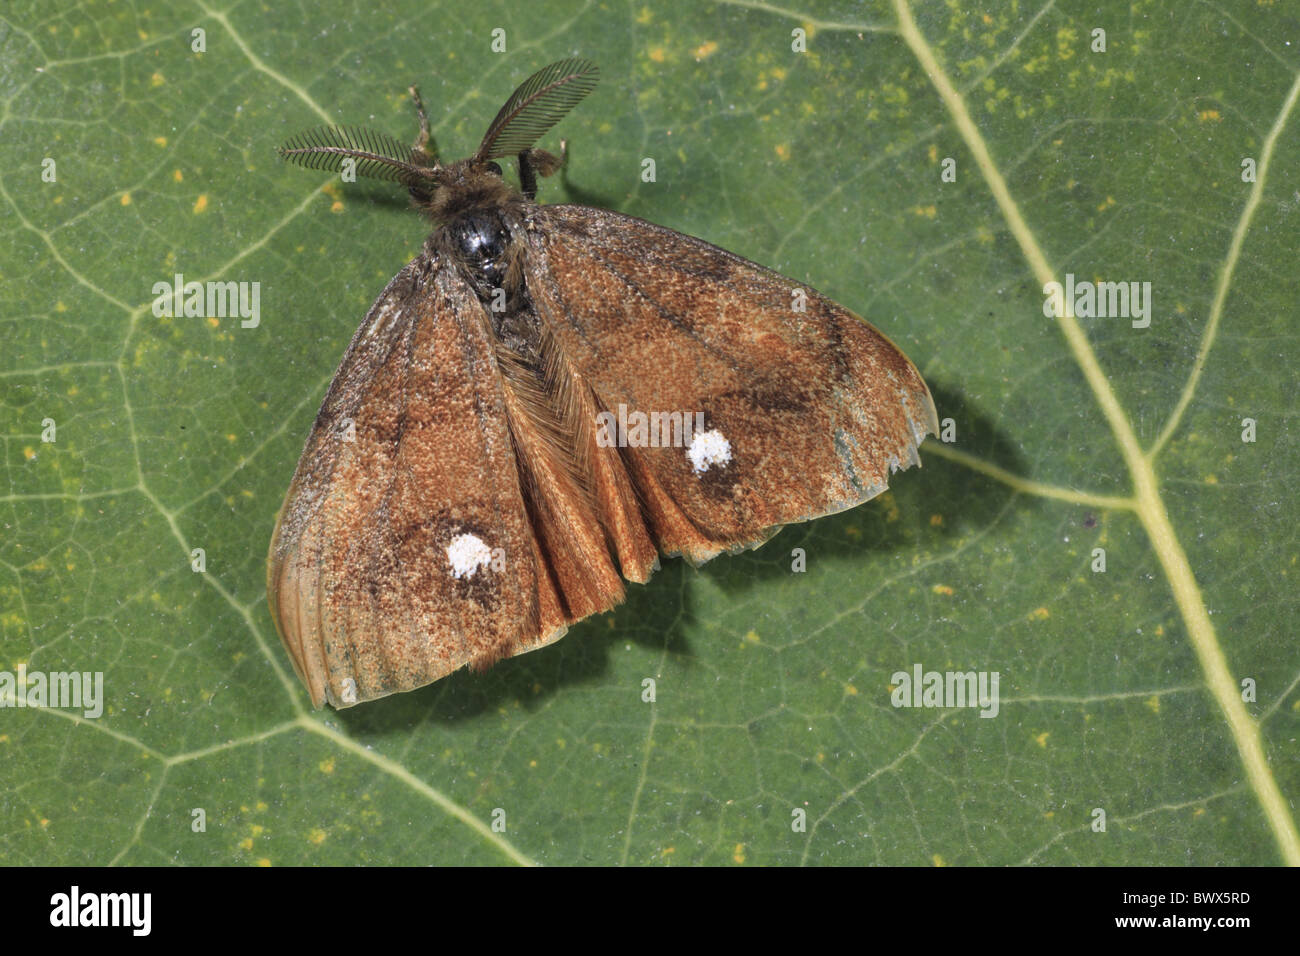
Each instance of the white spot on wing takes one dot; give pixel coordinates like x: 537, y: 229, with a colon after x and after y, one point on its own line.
x: 707, y: 449
x: 349, y: 694
x: 466, y: 554
x: 387, y: 313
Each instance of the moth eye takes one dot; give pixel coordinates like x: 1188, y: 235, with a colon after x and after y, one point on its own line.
x: 494, y: 168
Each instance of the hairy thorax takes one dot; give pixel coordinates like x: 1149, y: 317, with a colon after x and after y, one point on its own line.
x: 478, y: 220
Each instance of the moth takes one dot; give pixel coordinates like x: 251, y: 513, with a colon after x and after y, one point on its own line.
x: 545, y: 402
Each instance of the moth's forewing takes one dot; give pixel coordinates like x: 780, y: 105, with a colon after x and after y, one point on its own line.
x: 818, y: 407
x: 403, y: 550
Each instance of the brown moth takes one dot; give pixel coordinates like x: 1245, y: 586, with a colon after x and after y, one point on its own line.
x: 543, y: 403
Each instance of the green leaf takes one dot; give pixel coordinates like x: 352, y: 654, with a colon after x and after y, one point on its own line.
x: 1120, y: 691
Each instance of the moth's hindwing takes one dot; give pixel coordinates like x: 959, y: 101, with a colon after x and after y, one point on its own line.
x: 811, y: 408
x: 403, y: 550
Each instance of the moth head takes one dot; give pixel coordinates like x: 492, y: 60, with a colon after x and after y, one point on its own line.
x: 469, y: 173
x: 460, y: 186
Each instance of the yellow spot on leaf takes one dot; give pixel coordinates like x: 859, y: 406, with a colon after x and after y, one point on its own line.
x: 29, y: 452
x: 1211, y: 479
x: 739, y: 854
x: 752, y: 637
x: 336, y: 206
x: 178, y: 176
x: 708, y: 48
x: 926, y: 212
x: 1109, y: 201
x: 160, y: 141
x: 850, y: 690
x: 783, y: 151
x: 1208, y: 116
x: 1041, y: 739
x: 1153, y: 704
x: 1039, y: 614
x: 943, y: 589
x: 246, y: 843
x: 668, y: 851
x: 938, y: 860
x: 936, y: 521
x: 263, y: 862
x: 213, y: 321
x: 126, y: 199
x: 1065, y: 41
x: 657, y: 54
x: 201, y: 204
x: 327, y: 765
x: 933, y: 153
x: 157, y: 79
x: 316, y: 836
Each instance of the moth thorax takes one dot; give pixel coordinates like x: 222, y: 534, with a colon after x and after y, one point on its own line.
x: 481, y: 239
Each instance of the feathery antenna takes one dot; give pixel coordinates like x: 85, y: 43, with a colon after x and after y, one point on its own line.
x: 539, y: 103
x: 377, y: 155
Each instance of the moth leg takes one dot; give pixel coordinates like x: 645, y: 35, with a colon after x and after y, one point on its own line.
x: 422, y: 140
x: 538, y: 162
x: 421, y: 155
